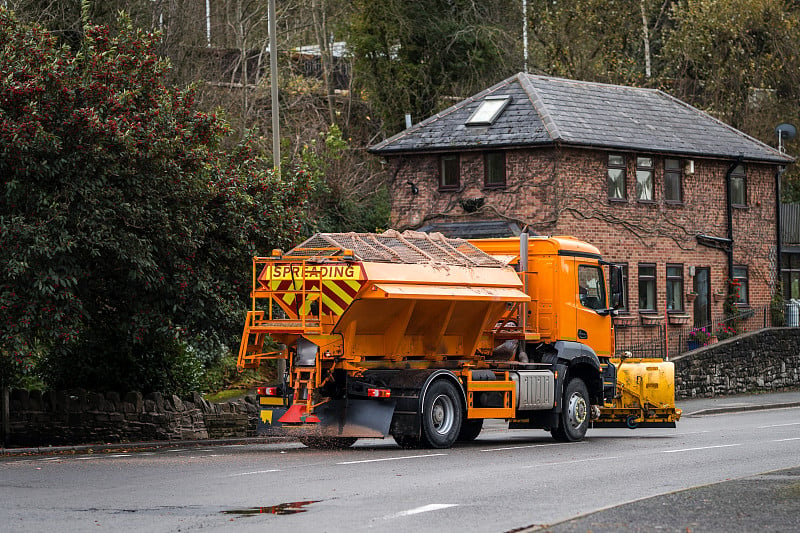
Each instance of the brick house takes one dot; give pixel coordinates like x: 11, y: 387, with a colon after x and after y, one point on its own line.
x: 681, y: 199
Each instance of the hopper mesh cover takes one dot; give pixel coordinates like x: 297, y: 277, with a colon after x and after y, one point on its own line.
x: 409, y: 247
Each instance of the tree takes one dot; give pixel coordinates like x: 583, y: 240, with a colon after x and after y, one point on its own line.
x: 596, y: 40
x: 736, y: 59
x: 125, y: 231
x: 410, y: 55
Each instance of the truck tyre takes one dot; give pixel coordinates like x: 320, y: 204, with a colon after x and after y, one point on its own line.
x: 441, y: 415
x: 470, y: 429
x: 335, y: 443
x: 575, y: 409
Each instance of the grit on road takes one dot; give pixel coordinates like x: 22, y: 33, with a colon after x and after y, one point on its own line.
x: 503, y: 481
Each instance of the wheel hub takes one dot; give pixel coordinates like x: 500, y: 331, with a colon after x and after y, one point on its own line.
x: 577, y: 410
x: 442, y: 414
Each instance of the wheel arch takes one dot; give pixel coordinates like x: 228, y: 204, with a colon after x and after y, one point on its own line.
x: 582, y: 362
x: 447, y: 376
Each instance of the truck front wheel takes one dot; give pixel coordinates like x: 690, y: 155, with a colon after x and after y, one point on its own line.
x: 575, y: 410
x: 441, y: 415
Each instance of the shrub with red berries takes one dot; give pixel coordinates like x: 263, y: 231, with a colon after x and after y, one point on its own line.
x: 126, y: 230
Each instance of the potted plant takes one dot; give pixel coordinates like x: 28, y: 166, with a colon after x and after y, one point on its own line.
x: 698, y: 337
x: 726, y: 331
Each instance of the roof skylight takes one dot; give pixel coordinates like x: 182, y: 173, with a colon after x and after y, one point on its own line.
x: 488, y: 111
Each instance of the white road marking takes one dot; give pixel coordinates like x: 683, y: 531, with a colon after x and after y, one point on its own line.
x: 423, y: 509
x: 701, y: 448
x: 390, y: 459
x: 780, y: 425
x: 251, y: 473
x: 522, y: 447
x: 119, y: 455
x: 784, y: 440
x: 571, y: 462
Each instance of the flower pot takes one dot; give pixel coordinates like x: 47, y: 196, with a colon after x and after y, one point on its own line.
x: 651, y: 320
x: 679, y: 320
x: 692, y: 345
x: 624, y: 321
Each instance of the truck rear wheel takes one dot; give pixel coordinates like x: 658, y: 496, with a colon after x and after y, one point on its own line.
x: 441, y: 415
x: 575, y: 409
x: 337, y: 443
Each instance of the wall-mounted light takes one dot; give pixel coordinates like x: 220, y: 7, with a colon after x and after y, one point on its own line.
x: 414, y: 188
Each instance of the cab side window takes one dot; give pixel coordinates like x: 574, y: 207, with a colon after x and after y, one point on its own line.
x: 591, y: 287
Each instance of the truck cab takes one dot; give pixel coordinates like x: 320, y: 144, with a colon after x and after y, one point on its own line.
x: 565, y: 280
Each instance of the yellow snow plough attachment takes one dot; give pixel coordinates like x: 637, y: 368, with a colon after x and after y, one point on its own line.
x: 644, y: 395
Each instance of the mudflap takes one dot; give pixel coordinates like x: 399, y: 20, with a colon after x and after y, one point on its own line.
x: 268, y: 423
x: 349, y: 418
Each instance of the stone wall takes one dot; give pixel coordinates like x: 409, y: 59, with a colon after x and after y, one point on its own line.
x: 765, y: 360
x: 79, y: 417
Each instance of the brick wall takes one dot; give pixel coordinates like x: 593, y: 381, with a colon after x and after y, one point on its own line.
x: 76, y: 417
x: 564, y: 191
x: 766, y: 360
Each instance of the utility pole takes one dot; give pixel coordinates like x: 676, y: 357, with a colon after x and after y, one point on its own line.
x: 273, y: 70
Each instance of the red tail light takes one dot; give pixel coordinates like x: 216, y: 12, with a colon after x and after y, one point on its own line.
x: 379, y: 393
x: 267, y: 391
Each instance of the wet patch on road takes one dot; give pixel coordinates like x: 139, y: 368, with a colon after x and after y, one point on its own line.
x: 283, y: 508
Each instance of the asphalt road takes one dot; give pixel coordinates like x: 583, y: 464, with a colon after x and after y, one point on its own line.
x: 706, y: 475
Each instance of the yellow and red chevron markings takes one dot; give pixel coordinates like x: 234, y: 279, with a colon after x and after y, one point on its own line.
x: 339, y: 286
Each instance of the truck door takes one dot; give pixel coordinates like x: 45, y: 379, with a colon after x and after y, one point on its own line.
x: 593, y: 319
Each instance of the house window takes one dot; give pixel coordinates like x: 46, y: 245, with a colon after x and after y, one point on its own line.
x: 673, y: 179
x: 741, y: 279
x: 791, y: 275
x: 449, y: 172
x: 738, y: 186
x: 494, y: 169
x: 644, y: 179
x: 674, y: 287
x: 616, y: 177
x: 488, y: 110
x: 624, y: 267
x: 647, y: 287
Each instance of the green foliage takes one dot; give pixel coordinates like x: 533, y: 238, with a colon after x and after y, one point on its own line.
x: 594, y: 40
x: 777, y: 307
x: 125, y: 231
x: 737, y: 59
x: 157, y: 362
x: 410, y: 54
x: 344, y: 200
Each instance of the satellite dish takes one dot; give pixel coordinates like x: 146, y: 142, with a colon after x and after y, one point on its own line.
x: 786, y: 131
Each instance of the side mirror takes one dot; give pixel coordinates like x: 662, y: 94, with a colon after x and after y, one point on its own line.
x: 617, y: 287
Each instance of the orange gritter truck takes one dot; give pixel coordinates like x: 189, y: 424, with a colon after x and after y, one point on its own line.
x: 423, y: 337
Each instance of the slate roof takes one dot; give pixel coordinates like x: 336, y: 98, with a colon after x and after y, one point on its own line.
x: 546, y: 111
x: 477, y: 229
